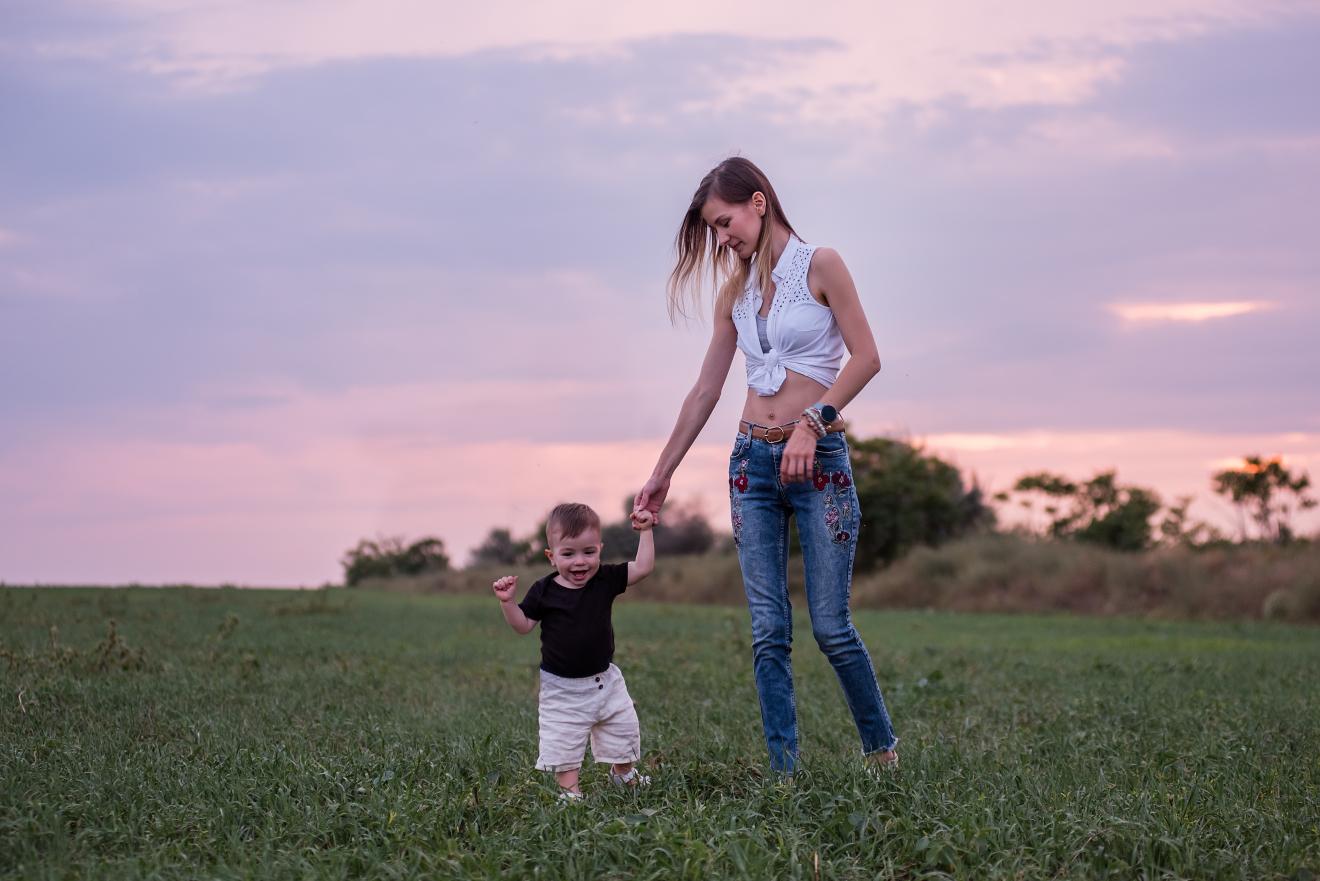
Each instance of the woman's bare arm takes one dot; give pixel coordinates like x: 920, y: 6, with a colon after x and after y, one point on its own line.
x: 693, y: 414
x: 840, y: 294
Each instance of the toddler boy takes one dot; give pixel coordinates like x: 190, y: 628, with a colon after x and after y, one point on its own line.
x: 582, y: 694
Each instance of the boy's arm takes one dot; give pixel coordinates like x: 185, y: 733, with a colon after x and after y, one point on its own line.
x: 644, y: 565
x: 505, y: 589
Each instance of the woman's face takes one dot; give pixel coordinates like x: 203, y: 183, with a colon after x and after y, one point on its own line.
x: 736, y: 226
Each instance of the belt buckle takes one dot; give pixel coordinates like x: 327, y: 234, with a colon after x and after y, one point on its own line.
x: 772, y: 440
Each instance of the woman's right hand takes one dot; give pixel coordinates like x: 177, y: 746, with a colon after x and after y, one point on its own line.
x: 651, y: 496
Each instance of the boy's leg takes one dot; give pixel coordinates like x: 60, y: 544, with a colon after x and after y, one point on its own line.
x: 569, y: 779
x: 616, y: 739
x: 564, y: 726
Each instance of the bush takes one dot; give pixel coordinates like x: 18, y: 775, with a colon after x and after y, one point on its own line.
x: 909, y: 498
x: 1102, y: 511
x: 389, y: 557
x: 500, y: 548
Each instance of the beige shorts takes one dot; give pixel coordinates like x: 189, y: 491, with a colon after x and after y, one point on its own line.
x: 598, y: 708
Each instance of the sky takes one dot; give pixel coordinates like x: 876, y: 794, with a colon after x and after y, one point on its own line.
x: 278, y: 276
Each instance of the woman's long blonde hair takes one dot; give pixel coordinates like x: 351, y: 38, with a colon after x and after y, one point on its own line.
x: 734, y: 180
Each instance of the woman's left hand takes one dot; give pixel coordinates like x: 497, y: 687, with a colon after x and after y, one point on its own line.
x: 799, y: 455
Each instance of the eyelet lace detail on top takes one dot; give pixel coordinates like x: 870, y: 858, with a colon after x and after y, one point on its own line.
x: 791, y: 286
x: 804, y: 336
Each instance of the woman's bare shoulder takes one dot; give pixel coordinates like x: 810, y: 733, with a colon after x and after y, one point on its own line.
x: 827, y: 275
x: 827, y: 259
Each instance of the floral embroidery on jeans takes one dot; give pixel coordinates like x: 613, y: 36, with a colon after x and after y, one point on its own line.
x: 819, y: 479
x: 836, y: 509
x: 738, y: 483
x: 832, y: 518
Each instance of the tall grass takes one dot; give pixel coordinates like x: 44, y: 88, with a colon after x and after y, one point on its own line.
x: 1008, y: 573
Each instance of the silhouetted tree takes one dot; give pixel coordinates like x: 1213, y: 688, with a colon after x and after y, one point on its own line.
x: 1178, y: 529
x: 1099, y: 510
x: 1050, y: 491
x: 1267, y: 493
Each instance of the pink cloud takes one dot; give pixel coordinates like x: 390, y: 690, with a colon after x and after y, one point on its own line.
x: 894, y: 52
x: 1186, y: 312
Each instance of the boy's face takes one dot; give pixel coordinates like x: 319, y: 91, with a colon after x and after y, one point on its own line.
x: 577, y: 557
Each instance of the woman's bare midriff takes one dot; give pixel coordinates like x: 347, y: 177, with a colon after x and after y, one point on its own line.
x: 795, y: 395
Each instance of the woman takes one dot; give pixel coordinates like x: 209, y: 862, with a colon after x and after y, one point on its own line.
x: 792, y: 309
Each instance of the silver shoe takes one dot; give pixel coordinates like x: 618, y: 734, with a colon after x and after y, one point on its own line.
x: 632, y: 778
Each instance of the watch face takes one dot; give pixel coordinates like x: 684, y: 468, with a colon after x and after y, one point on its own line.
x: 829, y: 413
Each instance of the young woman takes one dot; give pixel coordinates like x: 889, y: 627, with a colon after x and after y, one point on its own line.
x: 792, y: 309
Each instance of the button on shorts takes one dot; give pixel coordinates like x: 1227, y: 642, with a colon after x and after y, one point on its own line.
x: 596, y: 708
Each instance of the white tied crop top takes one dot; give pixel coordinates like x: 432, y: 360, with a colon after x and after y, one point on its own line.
x: 804, y: 337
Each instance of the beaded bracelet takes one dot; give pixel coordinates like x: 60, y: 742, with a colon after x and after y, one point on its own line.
x: 814, y: 419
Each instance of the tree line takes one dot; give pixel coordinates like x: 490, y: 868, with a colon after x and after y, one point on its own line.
x: 911, y: 497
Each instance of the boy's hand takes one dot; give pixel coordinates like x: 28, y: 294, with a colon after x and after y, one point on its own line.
x: 643, y: 520
x: 506, y: 588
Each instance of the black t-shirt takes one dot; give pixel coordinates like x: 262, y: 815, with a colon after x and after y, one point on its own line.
x: 577, y: 638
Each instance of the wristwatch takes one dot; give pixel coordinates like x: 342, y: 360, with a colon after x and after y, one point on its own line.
x: 828, y: 412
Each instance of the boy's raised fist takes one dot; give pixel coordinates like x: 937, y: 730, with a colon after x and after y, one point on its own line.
x: 505, y: 587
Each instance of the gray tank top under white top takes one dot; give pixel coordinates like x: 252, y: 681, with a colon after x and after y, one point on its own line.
x: 800, y: 333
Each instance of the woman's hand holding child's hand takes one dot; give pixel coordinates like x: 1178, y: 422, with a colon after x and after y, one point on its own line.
x: 643, y: 520
x: 506, y: 588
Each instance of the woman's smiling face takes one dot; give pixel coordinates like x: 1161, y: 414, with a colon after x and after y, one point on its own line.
x: 736, y: 226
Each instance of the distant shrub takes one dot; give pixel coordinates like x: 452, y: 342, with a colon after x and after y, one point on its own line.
x: 909, y: 498
x: 1102, y: 511
x: 683, y: 530
x: 500, y: 548
x: 388, y: 557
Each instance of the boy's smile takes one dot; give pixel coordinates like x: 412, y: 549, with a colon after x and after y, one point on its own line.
x: 576, y: 558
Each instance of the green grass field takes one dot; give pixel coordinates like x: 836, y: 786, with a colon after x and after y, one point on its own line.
x: 253, y: 734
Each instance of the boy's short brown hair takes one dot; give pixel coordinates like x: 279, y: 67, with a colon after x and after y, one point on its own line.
x: 569, y: 520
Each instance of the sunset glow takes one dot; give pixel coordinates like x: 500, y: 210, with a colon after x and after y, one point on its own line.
x: 278, y: 277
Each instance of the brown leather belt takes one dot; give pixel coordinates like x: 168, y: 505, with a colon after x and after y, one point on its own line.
x: 777, y: 434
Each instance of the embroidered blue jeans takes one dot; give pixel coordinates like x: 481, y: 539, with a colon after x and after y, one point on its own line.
x: 827, y: 519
